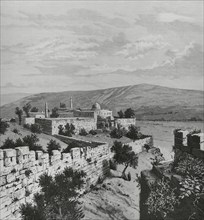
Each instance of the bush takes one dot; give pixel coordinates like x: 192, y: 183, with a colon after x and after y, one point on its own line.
x: 16, y: 131
x: 61, y: 130
x: 118, y: 132
x: 113, y: 165
x: 92, y: 132
x: 8, y: 144
x: 53, y: 145
x: 83, y: 132
x: 36, y: 128
x: 55, y: 113
x: 26, y: 126
x: 57, y: 198
x: 3, y: 126
x: 13, y: 120
x: 34, y: 109
x: 133, y: 133
x: 31, y: 141
x: 19, y: 143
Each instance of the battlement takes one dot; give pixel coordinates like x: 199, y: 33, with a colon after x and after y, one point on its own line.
x: 21, y: 169
x: 189, y: 142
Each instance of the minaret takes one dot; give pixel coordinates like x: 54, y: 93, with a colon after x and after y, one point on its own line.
x: 71, y: 104
x: 46, y: 110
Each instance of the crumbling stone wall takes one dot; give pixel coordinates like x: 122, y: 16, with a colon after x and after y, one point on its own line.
x: 50, y: 125
x: 21, y: 169
x: 125, y: 122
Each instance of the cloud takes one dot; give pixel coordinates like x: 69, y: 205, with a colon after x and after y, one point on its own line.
x: 140, y: 47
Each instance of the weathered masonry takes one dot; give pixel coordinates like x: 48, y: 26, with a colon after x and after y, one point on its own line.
x: 21, y: 168
x: 50, y: 125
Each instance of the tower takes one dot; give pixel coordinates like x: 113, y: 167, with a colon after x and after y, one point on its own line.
x: 71, y: 104
x: 46, y: 110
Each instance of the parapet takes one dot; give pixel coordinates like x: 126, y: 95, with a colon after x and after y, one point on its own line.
x: 189, y: 142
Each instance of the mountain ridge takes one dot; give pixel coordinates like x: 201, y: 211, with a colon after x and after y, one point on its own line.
x: 150, y: 102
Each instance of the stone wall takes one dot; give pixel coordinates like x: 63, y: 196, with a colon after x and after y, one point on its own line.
x: 85, y: 114
x: 29, y: 121
x: 125, y: 122
x: 21, y: 168
x: 50, y: 125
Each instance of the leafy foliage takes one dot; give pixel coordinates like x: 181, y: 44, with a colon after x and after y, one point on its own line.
x: 118, y: 132
x: 162, y: 198
x: 62, y: 105
x: 121, y: 114
x: 31, y: 141
x: 133, y: 132
x: 36, y: 128
x: 19, y: 113
x: 26, y: 109
x: 53, y: 145
x: 129, y: 113
x: 34, y: 109
x: 54, y: 113
x: 8, y: 144
x: 3, y: 126
x: 67, y: 130
x: 83, y: 132
x: 124, y: 155
x: 58, y: 198
x: 92, y: 132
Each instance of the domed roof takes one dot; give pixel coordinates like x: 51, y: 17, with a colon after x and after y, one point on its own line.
x: 96, y: 106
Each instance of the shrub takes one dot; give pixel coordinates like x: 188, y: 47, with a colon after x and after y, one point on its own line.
x: 69, y: 130
x: 162, y: 198
x: 19, y: 143
x: 8, y: 144
x: 83, y: 132
x: 92, y: 132
x: 31, y: 141
x: 61, y: 130
x: 16, y: 131
x: 53, y: 145
x: 118, y: 132
x: 129, y: 113
x: 57, y: 198
x: 113, y: 165
x: 13, y: 120
x: 34, y: 109
x: 3, y: 126
x: 133, y: 132
x: 55, y: 113
x: 36, y: 128
x: 26, y: 126
x: 28, y: 172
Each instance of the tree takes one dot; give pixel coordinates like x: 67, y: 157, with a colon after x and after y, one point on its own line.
x: 83, y: 132
x: 53, y: 145
x: 62, y: 105
x: 121, y: 114
x: 58, y: 198
x: 133, y: 132
x: 26, y: 109
x: 69, y: 130
x: 129, y: 113
x: 31, y: 141
x: 19, y: 113
x: 3, y: 126
x: 34, y: 109
x: 8, y: 144
x: 36, y: 128
x: 118, y: 132
x: 55, y: 113
x: 124, y: 155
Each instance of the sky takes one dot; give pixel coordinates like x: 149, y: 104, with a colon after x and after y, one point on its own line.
x: 51, y: 46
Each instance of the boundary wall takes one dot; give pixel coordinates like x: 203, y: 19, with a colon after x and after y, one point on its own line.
x: 21, y: 169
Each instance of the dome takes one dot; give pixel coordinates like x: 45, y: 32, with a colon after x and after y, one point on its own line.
x: 96, y: 106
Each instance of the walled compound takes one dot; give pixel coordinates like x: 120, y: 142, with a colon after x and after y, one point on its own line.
x: 50, y: 125
x: 186, y: 144
x: 125, y: 122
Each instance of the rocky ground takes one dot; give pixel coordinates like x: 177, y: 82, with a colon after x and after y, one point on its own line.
x: 116, y: 198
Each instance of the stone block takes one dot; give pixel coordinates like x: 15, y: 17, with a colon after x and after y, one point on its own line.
x: 19, y: 194
x: 9, y: 153
x: 5, y: 213
x: 2, y: 180
x: 32, y: 155
x: 21, y: 151
x: 10, y: 178
x: 1, y: 154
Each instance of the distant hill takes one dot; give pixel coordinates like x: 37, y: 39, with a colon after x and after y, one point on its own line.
x: 150, y: 102
x: 12, y: 97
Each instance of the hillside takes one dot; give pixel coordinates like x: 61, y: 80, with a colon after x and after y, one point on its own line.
x: 150, y: 102
x: 12, y: 97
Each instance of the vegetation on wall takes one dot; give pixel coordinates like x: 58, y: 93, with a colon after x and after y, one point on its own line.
x: 58, y: 198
